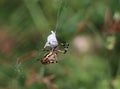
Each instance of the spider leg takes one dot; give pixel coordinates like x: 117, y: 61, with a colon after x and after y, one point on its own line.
x: 65, y: 45
x: 56, y: 58
x: 52, y: 61
x: 61, y: 51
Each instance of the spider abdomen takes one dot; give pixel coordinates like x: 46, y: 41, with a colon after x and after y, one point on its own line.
x: 50, y: 58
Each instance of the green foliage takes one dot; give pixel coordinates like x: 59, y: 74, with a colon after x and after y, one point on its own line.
x: 24, y: 26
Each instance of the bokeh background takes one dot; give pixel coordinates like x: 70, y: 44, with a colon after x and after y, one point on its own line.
x: 91, y: 27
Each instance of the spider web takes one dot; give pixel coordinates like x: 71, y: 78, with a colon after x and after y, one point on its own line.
x: 60, y: 18
x: 61, y: 14
x: 59, y: 21
x: 62, y: 7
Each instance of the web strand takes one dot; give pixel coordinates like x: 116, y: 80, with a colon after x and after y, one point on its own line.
x: 60, y: 12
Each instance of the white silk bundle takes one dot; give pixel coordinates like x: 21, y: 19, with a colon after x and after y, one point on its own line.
x: 51, y: 40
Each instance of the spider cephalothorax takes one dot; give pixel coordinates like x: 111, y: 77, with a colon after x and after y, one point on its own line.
x: 51, y: 56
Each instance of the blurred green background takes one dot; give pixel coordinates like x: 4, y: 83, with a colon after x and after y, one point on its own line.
x: 91, y: 27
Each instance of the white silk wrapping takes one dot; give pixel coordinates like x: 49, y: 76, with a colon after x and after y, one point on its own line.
x: 51, y: 40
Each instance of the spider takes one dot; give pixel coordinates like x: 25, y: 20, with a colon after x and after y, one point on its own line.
x: 51, y: 56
